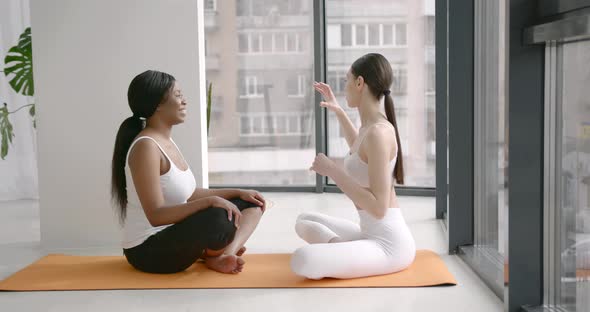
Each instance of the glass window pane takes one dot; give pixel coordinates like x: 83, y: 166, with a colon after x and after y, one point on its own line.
x: 291, y: 42
x: 374, y: 34
x: 255, y: 139
x: 242, y: 7
x: 242, y: 43
x: 574, y: 178
x: 279, y: 42
x: 414, y: 128
x: 387, y: 34
x: 346, y: 35
x: 267, y: 42
x: 245, y: 125
x: 361, y: 36
x: 254, y: 42
x: 400, y: 34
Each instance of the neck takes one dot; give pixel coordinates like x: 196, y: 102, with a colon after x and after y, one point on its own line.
x: 369, y: 111
x: 156, y: 125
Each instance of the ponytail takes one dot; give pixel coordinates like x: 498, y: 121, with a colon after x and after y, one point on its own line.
x: 398, y: 171
x: 128, y: 130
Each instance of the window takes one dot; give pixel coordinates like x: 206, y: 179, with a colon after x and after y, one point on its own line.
x: 245, y: 126
x: 400, y: 34
x: 275, y: 124
x: 296, y: 86
x: 374, y: 35
x: 273, y: 42
x: 210, y: 5
x: 430, y: 78
x: 257, y: 138
x: 251, y: 87
x: 387, y: 35
x: 352, y: 33
x: 346, y: 33
x: 243, y: 45
x: 361, y: 35
x: 400, y: 81
x: 337, y: 81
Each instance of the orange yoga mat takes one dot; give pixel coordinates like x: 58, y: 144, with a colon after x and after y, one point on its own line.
x: 62, y: 272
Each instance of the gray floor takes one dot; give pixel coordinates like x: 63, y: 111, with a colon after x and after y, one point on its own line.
x: 19, y: 246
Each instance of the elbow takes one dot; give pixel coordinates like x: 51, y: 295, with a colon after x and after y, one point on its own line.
x: 154, y: 221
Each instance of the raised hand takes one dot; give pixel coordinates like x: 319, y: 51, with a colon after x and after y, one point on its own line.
x: 329, y: 101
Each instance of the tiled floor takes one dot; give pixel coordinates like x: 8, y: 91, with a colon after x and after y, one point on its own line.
x: 19, y: 246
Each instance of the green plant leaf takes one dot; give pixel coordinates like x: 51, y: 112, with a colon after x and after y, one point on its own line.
x: 19, y: 65
x: 32, y: 113
x: 5, y: 131
x: 209, y: 105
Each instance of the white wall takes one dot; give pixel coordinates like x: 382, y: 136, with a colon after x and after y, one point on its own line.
x: 85, y: 55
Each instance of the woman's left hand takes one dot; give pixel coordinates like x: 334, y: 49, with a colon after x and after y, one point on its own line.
x: 323, y: 165
x: 254, y: 197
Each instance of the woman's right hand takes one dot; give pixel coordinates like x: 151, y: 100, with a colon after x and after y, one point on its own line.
x: 329, y: 101
x: 232, y: 210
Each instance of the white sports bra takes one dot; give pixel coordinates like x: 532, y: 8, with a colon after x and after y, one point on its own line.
x: 355, y: 166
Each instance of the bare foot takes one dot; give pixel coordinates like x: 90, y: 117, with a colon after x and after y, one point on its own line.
x: 225, y: 264
x: 241, y: 251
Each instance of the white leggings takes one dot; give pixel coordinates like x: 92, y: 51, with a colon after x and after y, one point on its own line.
x: 343, y: 249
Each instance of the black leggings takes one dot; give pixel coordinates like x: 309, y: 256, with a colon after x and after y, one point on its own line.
x: 178, y: 246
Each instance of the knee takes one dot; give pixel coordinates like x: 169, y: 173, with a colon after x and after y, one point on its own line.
x: 309, y: 216
x: 301, y: 227
x: 302, y: 263
x: 220, y: 230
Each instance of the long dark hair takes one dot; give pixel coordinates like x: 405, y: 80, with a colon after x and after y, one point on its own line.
x: 377, y: 74
x: 145, y: 93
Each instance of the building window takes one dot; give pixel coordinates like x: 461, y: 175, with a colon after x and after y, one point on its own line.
x: 346, y: 35
x: 387, y: 35
x: 374, y: 35
x: 251, y: 86
x: 210, y: 5
x: 296, y: 86
x: 243, y: 46
x: 337, y: 81
x: 284, y: 124
x: 400, y: 34
x: 400, y: 81
x: 272, y: 42
x: 430, y: 78
x: 245, y: 126
x: 361, y: 35
x: 430, y: 34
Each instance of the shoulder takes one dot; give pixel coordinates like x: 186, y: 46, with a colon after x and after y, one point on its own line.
x: 144, y: 148
x: 381, y: 133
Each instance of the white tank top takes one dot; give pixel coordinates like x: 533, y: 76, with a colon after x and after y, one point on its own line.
x: 355, y: 166
x: 177, y: 187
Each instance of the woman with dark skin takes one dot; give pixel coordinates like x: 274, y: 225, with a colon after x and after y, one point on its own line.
x: 168, y: 223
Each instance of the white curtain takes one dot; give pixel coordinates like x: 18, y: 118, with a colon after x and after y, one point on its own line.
x: 18, y: 171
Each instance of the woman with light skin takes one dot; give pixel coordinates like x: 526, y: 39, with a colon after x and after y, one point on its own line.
x: 382, y: 242
x: 169, y: 223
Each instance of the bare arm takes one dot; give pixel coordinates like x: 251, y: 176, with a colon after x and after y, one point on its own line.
x: 223, y: 193
x: 330, y: 102
x: 375, y: 199
x: 144, y: 162
x: 350, y: 132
